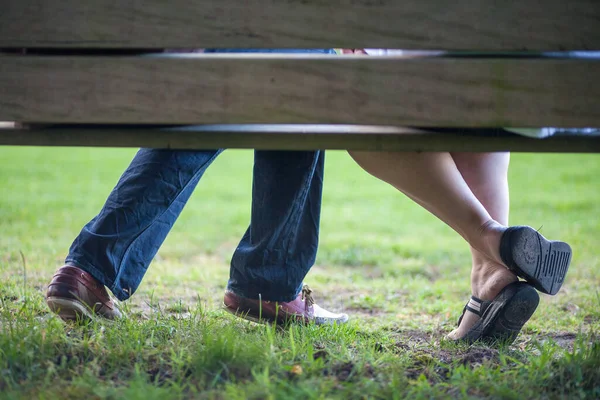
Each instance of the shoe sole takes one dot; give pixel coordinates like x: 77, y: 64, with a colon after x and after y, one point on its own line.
x: 508, y: 319
x: 317, y: 321
x: 541, y: 262
x: 264, y: 321
x: 246, y: 316
x: 69, y: 309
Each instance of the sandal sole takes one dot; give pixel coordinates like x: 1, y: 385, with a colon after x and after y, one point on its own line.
x: 505, y: 317
x: 541, y: 262
x: 510, y: 317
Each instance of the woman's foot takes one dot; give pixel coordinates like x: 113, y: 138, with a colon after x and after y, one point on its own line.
x: 503, y: 255
x: 541, y: 262
x: 501, y: 319
x: 488, y: 278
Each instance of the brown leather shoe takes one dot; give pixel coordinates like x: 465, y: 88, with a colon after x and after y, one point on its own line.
x: 303, y: 309
x: 74, y: 294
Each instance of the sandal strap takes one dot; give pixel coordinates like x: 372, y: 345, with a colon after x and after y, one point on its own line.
x: 476, y: 306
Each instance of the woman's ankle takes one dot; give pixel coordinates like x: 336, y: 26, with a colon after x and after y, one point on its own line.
x: 489, y: 278
x: 488, y: 238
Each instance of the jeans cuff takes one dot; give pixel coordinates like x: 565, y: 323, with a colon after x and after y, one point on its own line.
x: 253, y: 293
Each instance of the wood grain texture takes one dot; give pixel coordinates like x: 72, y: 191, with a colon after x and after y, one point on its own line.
x: 278, y: 137
x: 401, y: 24
x: 304, y: 89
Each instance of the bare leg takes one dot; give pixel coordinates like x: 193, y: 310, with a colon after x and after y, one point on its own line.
x: 434, y: 181
x: 486, y: 175
x: 467, y: 191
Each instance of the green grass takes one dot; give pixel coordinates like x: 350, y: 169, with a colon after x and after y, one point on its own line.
x: 400, y: 273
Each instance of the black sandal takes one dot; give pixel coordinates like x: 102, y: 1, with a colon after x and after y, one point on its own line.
x: 502, y: 318
x: 541, y: 262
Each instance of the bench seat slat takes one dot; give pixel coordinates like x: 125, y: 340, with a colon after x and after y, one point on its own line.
x: 317, y: 89
x: 406, y: 24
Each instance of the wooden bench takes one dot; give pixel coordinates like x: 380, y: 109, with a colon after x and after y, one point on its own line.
x: 93, y: 73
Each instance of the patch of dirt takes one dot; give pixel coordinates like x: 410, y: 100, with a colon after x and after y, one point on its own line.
x: 159, y: 376
x: 412, y: 339
x: 571, y: 308
x: 348, y: 371
x: 320, y: 354
x: 361, y: 311
x: 9, y: 297
x: 434, y: 374
x: 433, y: 361
x: 563, y: 339
x: 475, y: 357
x: 417, y: 336
x: 590, y: 318
x: 340, y: 299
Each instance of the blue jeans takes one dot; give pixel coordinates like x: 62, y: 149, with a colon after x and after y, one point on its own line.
x: 274, y: 255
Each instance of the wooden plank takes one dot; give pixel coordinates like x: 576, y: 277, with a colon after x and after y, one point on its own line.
x: 293, y: 137
x: 246, y: 88
x: 401, y: 24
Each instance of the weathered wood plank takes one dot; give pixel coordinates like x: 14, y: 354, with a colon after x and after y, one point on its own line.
x: 304, y: 89
x: 404, y: 24
x: 290, y: 137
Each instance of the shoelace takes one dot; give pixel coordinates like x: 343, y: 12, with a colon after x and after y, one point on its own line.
x: 307, y: 296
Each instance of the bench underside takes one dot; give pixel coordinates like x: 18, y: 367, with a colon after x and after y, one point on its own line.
x: 294, y: 137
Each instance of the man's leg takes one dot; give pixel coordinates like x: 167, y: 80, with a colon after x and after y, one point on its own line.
x: 115, y: 248
x: 280, y: 246
x: 127, y: 244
